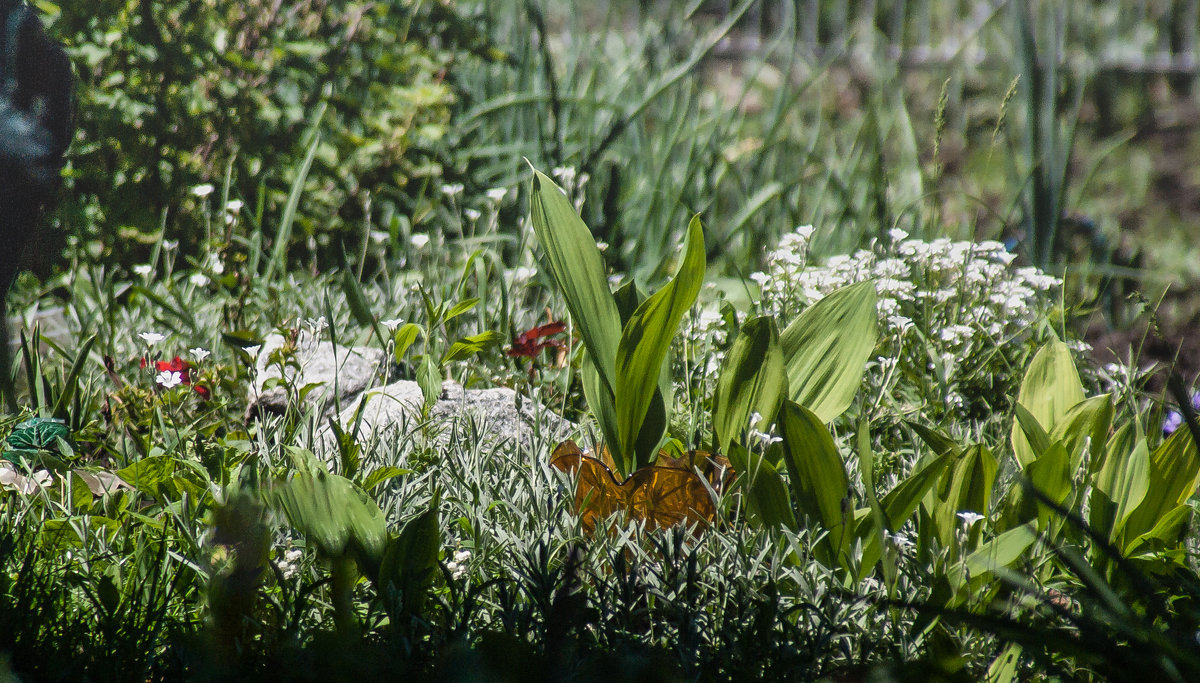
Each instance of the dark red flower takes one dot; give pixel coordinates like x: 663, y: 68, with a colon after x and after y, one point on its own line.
x: 529, y: 343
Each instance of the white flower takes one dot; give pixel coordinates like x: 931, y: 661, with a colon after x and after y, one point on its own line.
x: 198, y: 279
x: 899, y: 541
x: 602, y: 246
x: 316, y: 325
x: 143, y: 269
x: 761, y: 278
x: 755, y: 418
x: 202, y: 190
x: 970, y: 518
x: 472, y: 215
x: 253, y: 350
x: 151, y: 338
x: 391, y: 323
x: 805, y: 232
x: 497, y: 194
x: 462, y: 556
x: 897, y: 235
x: 199, y: 354
x: 293, y: 555
x: 452, y: 189
x: 170, y: 245
x: 168, y: 379
x: 419, y: 240
x: 234, y: 205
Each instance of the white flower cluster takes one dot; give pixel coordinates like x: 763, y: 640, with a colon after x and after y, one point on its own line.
x: 459, y: 565
x: 958, y: 289
x: 965, y: 299
x: 289, y: 566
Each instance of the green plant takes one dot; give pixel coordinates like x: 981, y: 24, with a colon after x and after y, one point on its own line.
x: 623, y: 371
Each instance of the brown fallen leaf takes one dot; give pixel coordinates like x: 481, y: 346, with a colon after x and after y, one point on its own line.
x: 667, y: 493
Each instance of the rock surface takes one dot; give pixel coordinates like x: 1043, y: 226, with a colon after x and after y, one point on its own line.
x: 503, y: 417
x: 348, y: 369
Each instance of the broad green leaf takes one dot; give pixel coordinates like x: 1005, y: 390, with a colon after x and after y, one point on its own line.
x: 578, y: 269
x: 817, y: 476
x: 333, y: 513
x: 1119, y: 488
x: 752, y: 381
x: 939, y: 442
x: 966, y: 487
x: 1174, y: 468
x: 1035, y: 434
x: 826, y: 350
x: 1091, y: 418
x: 153, y: 475
x: 460, y: 308
x: 429, y: 378
x: 469, y: 346
x: 766, y: 495
x: 382, y: 474
x: 900, y: 503
x: 600, y: 401
x: 1049, y: 389
x: 409, y: 562
x: 404, y: 338
x: 645, y: 342
x: 1050, y: 475
x: 999, y: 552
x: 1164, y: 535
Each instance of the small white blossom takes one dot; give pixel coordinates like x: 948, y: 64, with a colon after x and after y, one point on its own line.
x: 202, y: 190
x: 143, y: 269
x: 253, y: 350
x: 391, y: 323
x: 419, y: 240
x: 168, y: 379
x: 199, y: 354
x: 970, y: 518
x: 472, y: 215
x: 452, y: 189
x: 897, y: 235
x: 316, y: 325
x: 198, y: 279
x: 497, y: 194
x: 170, y: 245
x: 151, y: 338
x: 234, y: 205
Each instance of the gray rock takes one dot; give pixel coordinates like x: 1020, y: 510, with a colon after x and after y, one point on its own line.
x: 350, y: 369
x: 503, y: 416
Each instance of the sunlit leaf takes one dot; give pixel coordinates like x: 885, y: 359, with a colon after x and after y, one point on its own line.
x: 826, y: 350
x: 1049, y: 389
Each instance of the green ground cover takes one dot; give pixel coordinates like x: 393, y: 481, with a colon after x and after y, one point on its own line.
x: 854, y: 295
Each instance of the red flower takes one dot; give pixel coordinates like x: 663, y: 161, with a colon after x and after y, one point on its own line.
x: 184, y: 369
x: 529, y: 343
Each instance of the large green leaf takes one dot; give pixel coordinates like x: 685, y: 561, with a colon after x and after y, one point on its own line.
x: 1091, y: 418
x: 409, y: 563
x: 578, y: 269
x: 900, y: 503
x: 817, y: 475
x: 1174, y: 469
x: 766, y: 495
x: 1119, y: 487
x: 334, y: 514
x: 826, y: 349
x: 999, y: 552
x: 752, y: 381
x: 967, y: 487
x: 1049, y: 389
x: 645, y: 342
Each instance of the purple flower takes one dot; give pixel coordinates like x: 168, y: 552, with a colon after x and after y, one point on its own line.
x: 1174, y: 419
